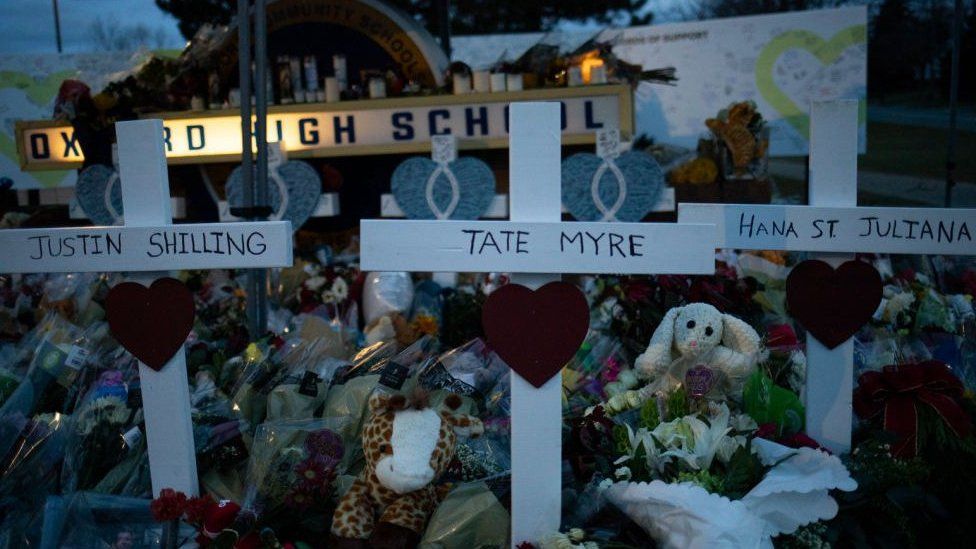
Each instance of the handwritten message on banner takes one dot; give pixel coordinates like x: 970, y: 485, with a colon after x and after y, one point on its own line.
x: 481, y: 246
x: 88, y: 249
x: 863, y: 229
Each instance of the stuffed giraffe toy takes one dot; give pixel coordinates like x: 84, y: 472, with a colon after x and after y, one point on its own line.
x: 407, y: 446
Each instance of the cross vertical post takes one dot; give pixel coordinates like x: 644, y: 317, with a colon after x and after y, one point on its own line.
x: 536, y: 247
x: 165, y: 394
x: 534, y: 187
x: 833, y: 227
x: 833, y: 183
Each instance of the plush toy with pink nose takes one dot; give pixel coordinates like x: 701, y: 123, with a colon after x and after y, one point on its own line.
x: 701, y: 347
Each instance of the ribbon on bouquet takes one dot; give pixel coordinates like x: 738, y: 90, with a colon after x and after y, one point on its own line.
x: 897, y: 392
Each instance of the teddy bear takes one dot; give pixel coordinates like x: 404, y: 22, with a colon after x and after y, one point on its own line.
x: 718, y: 350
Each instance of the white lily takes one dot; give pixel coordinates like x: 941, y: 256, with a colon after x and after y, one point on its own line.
x: 695, y: 441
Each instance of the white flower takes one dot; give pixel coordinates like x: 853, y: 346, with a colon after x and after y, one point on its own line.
x: 798, y: 371
x: 693, y: 440
x: 922, y: 279
x: 576, y: 534
x: 896, y: 304
x: 315, y: 283
x: 622, y: 473
x: 340, y: 288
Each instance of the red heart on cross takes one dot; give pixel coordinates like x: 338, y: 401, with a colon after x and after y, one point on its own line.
x: 833, y: 304
x: 151, y: 323
x: 536, y: 332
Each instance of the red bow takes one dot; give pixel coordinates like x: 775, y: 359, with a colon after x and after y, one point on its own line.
x: 899, y: 389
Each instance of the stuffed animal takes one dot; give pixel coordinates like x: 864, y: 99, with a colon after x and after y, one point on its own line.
x: 407, y: 446
x: 696, y: 335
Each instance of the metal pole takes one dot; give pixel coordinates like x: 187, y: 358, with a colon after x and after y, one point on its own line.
x: 247, y: 160
x: 953, y: 104
x: 57, y: 25
x: 260, y: 276
x: 444, y: 25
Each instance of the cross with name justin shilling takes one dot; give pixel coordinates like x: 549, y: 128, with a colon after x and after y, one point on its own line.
x: 835, y: 226
x: 536, y: 247
x: 149, y: 243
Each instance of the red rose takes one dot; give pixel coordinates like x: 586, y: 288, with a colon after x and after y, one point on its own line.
x: 168, y: 506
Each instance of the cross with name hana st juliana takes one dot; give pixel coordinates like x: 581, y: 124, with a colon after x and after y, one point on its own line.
x: 150, y: 244
x: 834, y: 226
x: 536, y: 246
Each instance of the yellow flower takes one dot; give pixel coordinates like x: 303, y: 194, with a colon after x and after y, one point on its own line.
x: 252, y: 353
x: 425, y: 324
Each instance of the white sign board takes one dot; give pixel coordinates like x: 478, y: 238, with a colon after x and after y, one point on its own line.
x: 816, y: 229
x: 523, y: 247
x: 356, y: 127
x: 783, y: 62
x: 196, y: 246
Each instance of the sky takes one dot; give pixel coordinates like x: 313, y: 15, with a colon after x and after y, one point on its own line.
x: 27, y: 26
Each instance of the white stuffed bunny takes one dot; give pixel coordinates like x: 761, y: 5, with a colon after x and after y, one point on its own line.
x: 698, y: 334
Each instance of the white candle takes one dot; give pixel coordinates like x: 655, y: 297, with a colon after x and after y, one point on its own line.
x: 196, y: 103
x: 320, y: 96
x: 339, y: 68
x: 377, y: 88
x: 331, y: 89
x: 574, y: 76
x: 514, y: 82
x: 482, y: 81
x: 234, y: 97
x: 462, y: 84
x: 498, y: 82
x: 598, y: 74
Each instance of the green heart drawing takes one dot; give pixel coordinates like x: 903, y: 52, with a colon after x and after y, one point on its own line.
x: 40, y: 92
x: 827, y: 51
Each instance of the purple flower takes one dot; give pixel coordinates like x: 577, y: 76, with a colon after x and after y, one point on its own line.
x: 326, y: 443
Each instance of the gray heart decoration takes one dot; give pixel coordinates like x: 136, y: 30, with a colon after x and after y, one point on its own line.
x: 294, y: 188
x: 425, y: 189
x: 624, y: 188
x: 99, y: 193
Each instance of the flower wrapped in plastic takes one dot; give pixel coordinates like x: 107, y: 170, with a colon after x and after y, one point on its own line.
x: 793, y: 492
x: 292, y: 471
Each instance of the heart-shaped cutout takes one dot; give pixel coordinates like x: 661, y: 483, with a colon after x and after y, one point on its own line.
x: 294, y: 189
x: 833, y: 304
x: 151, y: 323
x: 99, y: 193
x: 469, y: 199
x: 536, y: 332
x: 826, y: 51
x: 635, y: 173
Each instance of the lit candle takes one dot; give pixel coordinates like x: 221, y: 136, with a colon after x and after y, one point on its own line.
x: 574, y: 76
x: 498, y: 82
x: 462, y: 84
x: 598, y: 74
x: 377, y: 88
x: 482, y: 81
x: 514, y: 82
x: 339, y: 68
x: 331, y: 89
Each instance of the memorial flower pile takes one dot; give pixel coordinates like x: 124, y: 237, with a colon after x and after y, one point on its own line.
x: 278, y: 418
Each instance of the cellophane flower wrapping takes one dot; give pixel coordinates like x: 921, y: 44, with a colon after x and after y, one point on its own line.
x: 292, y: 472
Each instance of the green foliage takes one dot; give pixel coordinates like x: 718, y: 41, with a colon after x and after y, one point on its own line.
x: 766, y: 402
x: 621, y: 442
x: 742, y: 473
x: 193, y: 14
x: 676, y: 405
x: 650, y: 417
x: 713, y: 483
x: 466, y: 16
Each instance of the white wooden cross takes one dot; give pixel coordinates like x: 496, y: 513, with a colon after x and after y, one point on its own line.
x: 833, y: 225
x: 150, y: 244
x: 536, y: 247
